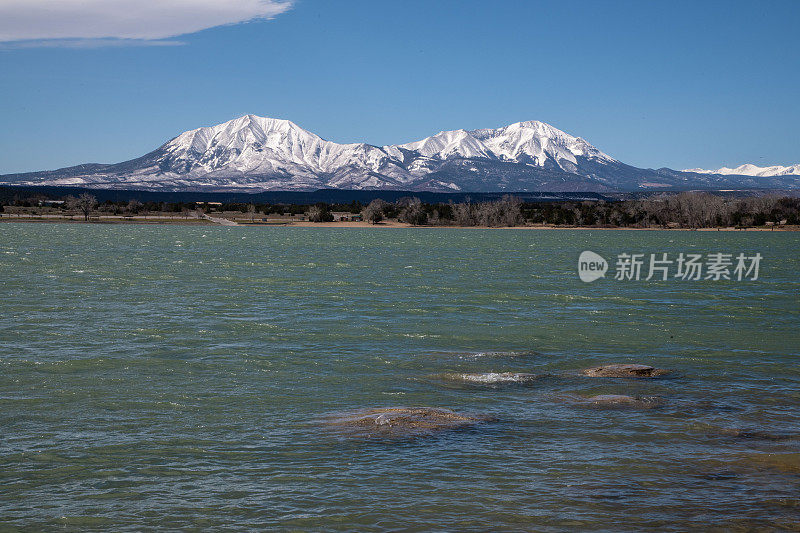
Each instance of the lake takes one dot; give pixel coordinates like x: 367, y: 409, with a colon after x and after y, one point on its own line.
x: 169, y: 377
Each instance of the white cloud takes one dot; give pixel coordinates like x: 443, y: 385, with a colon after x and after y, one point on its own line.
x: 86, y: 43
x: 124, y: 21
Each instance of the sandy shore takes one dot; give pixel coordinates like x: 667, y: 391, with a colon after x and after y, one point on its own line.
x: 106, y: 220
x: 388, y: 224
x: 395, y: 224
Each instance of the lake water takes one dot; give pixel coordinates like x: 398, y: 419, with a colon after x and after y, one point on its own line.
x: 168, y: 377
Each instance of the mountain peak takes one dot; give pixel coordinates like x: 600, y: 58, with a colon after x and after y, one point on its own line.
x: 529, y: 124
x: 263, y: 123
x: 539, y: 129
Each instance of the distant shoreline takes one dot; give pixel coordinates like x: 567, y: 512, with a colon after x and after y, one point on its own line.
x: 390, y: 224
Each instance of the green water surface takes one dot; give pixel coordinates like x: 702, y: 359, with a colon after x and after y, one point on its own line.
x: 178, y: 378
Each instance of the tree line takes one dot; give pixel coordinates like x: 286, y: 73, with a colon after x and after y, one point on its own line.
x: 685, y: 210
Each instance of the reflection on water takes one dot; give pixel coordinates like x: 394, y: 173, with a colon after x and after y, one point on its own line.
x: 146, y: 385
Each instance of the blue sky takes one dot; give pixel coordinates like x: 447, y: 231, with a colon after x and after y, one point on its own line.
x: 678, y: 84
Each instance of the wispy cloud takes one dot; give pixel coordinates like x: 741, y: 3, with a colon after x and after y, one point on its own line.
x: 86, y: 43
x: 94, y: 23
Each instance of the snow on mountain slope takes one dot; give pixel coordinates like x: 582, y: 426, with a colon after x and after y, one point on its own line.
x: 752, y: 170
x: 253, y: 153
x: 534, y: 143
x: 259, y: 145
x: 448, y: 144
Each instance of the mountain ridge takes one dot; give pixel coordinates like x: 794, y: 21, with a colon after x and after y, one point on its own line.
x: 749, y: 169
x: 253, y: 153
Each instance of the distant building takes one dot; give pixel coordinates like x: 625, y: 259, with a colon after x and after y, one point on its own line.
x: 346, y: 216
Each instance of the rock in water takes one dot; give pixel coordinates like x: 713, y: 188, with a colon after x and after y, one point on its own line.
x: 625, y: 371
x: 402, y: 421
x: 489, y: 378
x: 622, y: 400
x: 788, y: 463
x: 758, y: 434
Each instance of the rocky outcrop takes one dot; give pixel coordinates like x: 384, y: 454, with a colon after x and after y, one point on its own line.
x: 624, y: 371
x: 403, y: 421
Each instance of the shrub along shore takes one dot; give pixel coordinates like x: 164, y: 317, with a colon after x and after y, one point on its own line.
x: 690, y: 210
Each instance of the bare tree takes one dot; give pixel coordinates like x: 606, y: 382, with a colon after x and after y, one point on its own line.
x: 463, y: 214
x: 318, y: 213
x: 83, y: 203
x: 314, y: 214
x: 374, y: 211
x: 512, y: 211
x: 413, y: 213
x: 504, y: 212
x: 134, y: 206
x: 251, y: 212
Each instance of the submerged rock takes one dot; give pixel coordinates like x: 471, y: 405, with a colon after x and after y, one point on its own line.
x: 500, y: 355
x: 489, y: 378
x: 718, y: 475
x: 624, y: 371
x: 403, y: 421
x: 757, y: 434
x: 788, y: 463
x: 618, y: 400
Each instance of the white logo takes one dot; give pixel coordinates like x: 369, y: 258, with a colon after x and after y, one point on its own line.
x: 591, y: 266
x: 717, y: 266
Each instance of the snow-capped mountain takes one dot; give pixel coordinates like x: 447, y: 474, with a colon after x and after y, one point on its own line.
x: 752, y: 170
x: 254, y: 153
x: 533, y: 142
x: 265, y: 153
